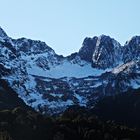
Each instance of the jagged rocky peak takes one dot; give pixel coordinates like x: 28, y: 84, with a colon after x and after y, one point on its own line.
x: 135, y: 40
x: 107, y: 53
x: 132, y: 49
x: 2, y: 33
x: 29, y: 46
x: 103, y: 51
x: 88, y: 47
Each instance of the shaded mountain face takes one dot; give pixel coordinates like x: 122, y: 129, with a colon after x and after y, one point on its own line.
x: 122, y: 108
x: 2, y: 33
x: 88, y: 48
x: 103, y: 52
x: 21, y: 124
x: 50, y: 83
x: 9, y: 98
x: 132, y: 49
x: 107, y: 53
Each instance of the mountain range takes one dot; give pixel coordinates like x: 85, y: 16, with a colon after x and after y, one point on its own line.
x: 50, y: 83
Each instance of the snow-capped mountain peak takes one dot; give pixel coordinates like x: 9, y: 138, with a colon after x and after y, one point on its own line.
x: 131, y: 49
x: 107, y: 53
x: 87, y: 49
x: 50, y: 83
x: 3, y: 34
x: 103, y: 52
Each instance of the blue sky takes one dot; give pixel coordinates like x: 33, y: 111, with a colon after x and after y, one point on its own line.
x: 63, y: 24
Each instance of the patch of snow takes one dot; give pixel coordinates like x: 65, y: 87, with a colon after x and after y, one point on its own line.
x: 75, y: 83
x: 48, y: 88
x: 60, y: 103
x: 98, y: 41
x: 30, y: 83
x: 57, y: 95
x: 66, y: 69
x: 55, y: 87
x: 88, y: 79
x: 82, y: 100
x: 96, y: 85
x: 135, y: 84
x: 122, y: 67
x: 1, y: 39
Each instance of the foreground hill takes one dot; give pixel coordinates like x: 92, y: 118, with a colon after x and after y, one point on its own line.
x: 20, y: 124
x: 9, y: 98
x: 123, y: 108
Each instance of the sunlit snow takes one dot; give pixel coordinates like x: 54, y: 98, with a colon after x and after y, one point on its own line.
x: 66, y: 70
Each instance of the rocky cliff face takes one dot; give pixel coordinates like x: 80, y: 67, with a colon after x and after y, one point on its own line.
x: 88, y: 47
x: 103, y: 52
x: 50, y: 83
x: 131, y: 49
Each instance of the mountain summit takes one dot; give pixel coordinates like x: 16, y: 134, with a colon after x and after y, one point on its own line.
x: 2, y: 33
x: 50, y: 83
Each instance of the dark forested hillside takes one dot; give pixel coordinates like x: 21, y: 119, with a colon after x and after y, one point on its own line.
x: 9, y: 98
x: 123, y: 108
x: 20, y: 124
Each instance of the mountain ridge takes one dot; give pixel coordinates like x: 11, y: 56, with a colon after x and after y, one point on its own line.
x: 50, y: 83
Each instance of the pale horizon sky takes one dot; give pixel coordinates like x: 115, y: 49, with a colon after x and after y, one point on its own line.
x: 63, y: 24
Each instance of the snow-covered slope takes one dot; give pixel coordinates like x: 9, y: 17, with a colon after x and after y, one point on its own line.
x: 50, y: 82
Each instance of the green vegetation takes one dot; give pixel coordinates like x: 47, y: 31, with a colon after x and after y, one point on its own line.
x: 20, y: 124
x: 122, y: 108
